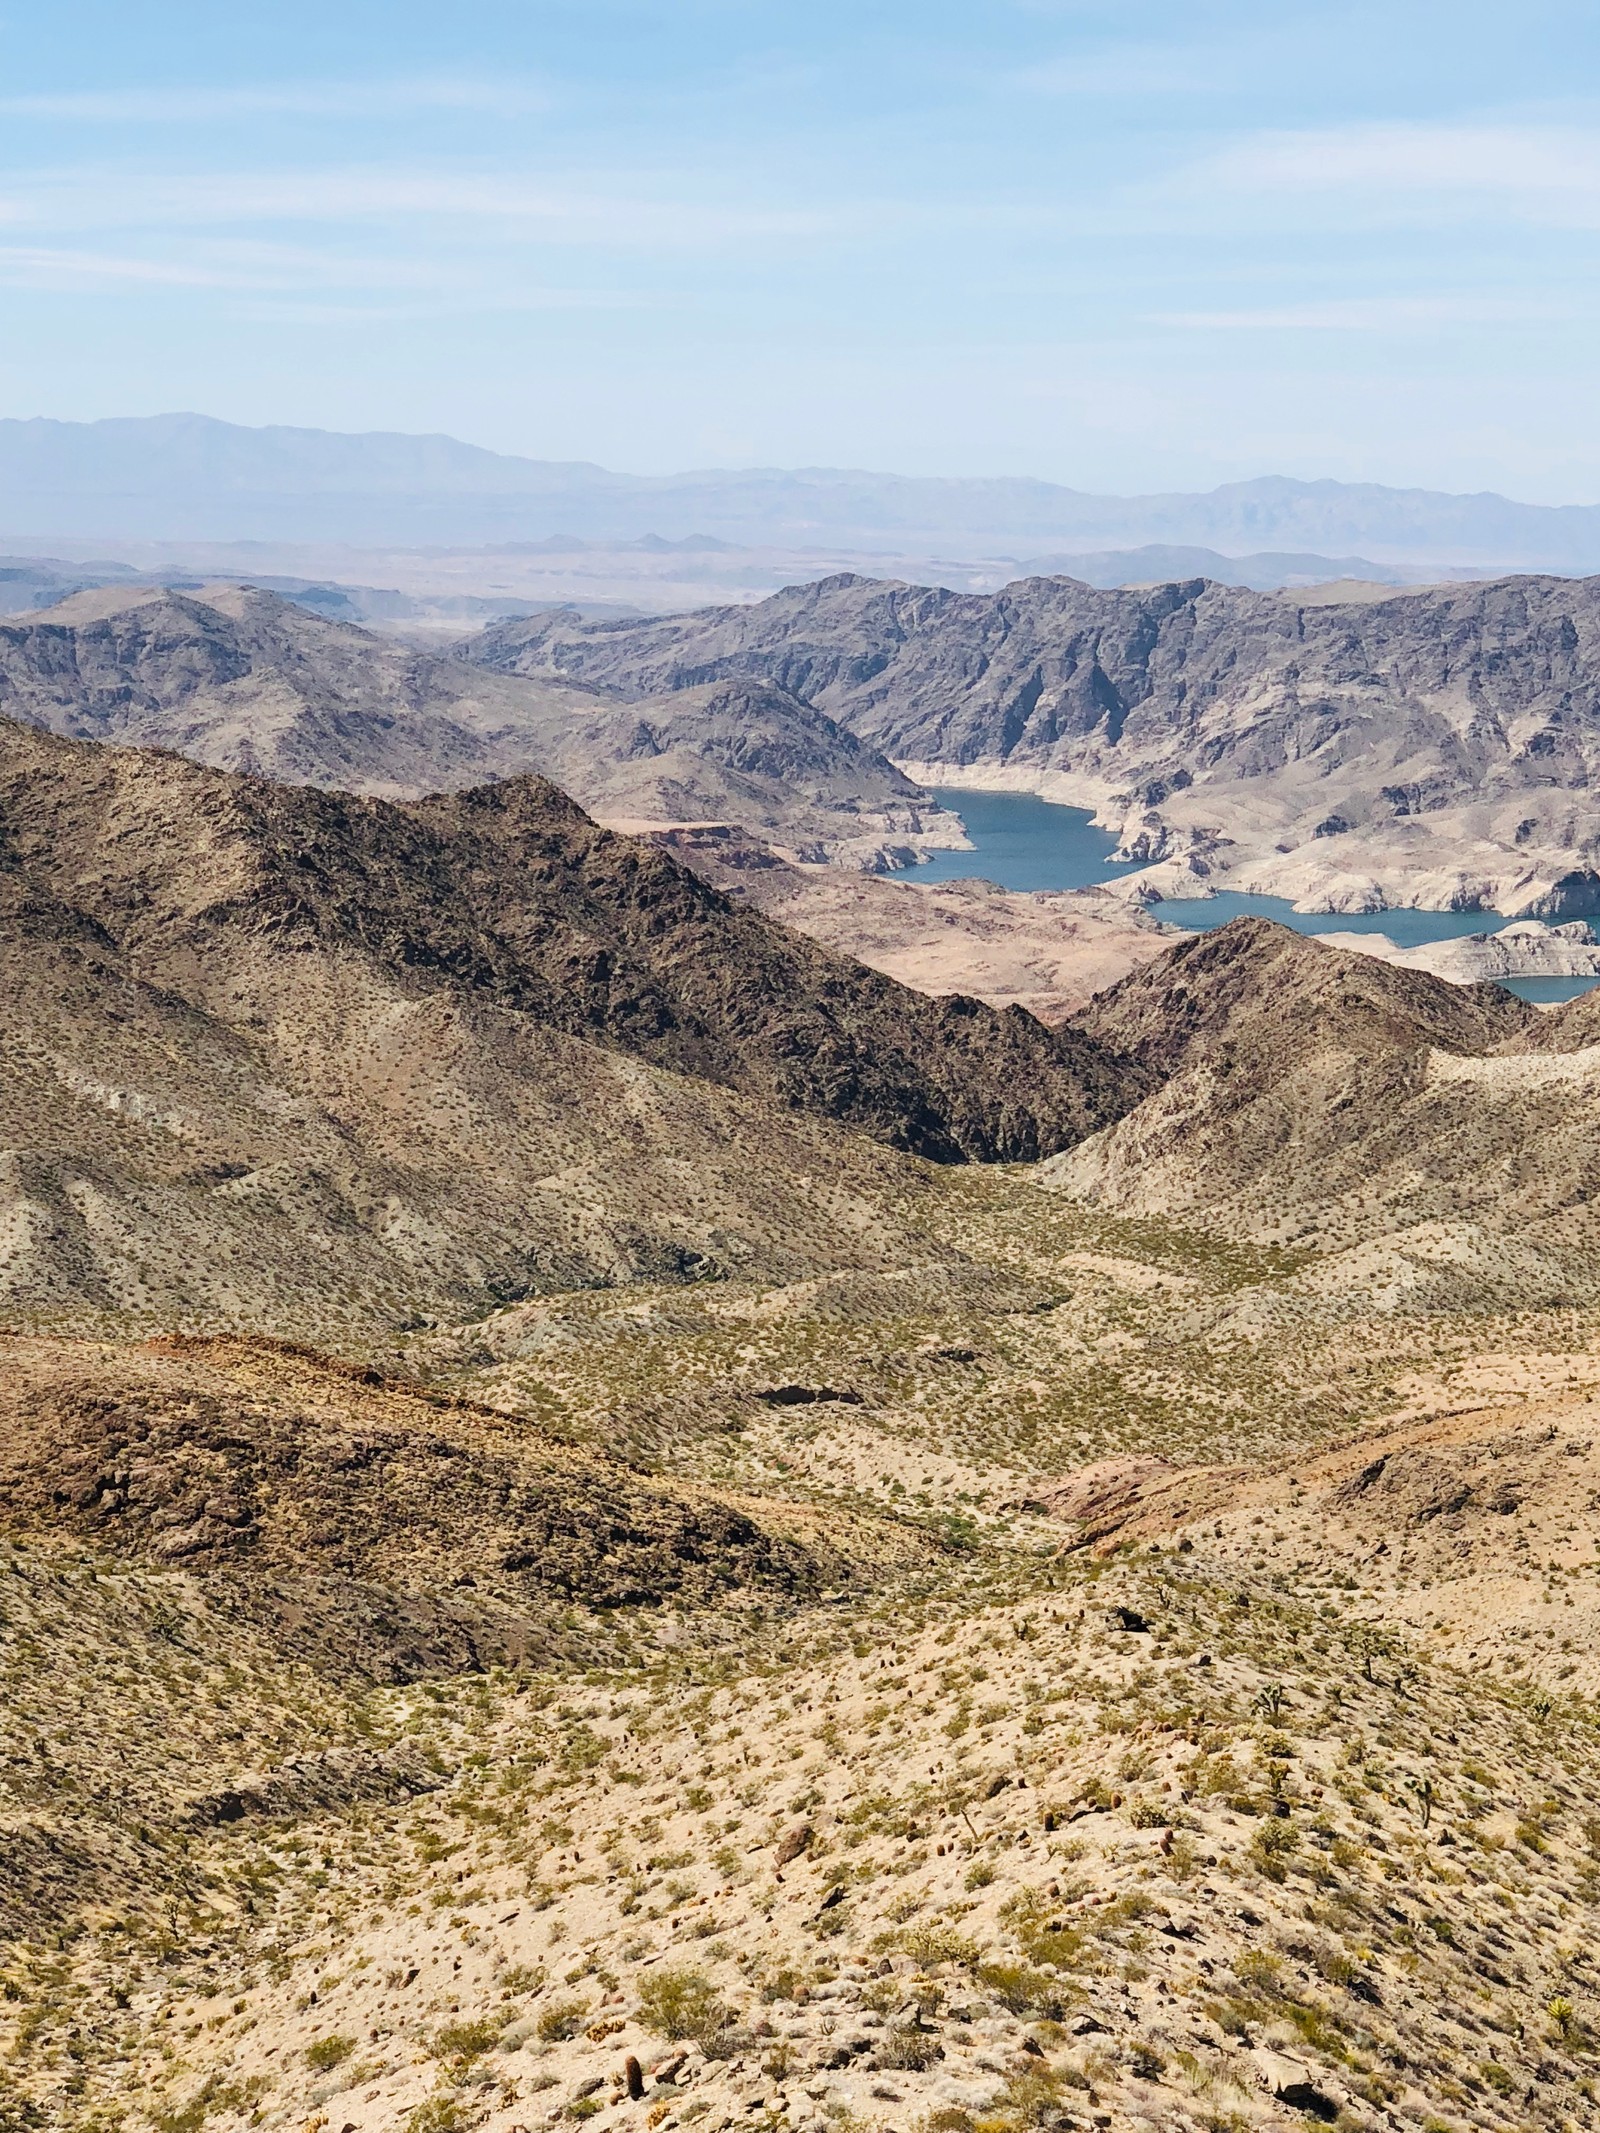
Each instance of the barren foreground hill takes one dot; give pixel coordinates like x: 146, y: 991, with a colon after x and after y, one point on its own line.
x: 1253, y: 1824
x: 750, y: 1625
x: 1434, y: 748
x: 1058, y: 1670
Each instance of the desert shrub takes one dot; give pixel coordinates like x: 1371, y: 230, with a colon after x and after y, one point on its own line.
x: 1272, y: 1845
x: 1033, y: 2099
x: 909, y: 2048
x: 469, y: 2040
x: 1023, y: 1990
x: 1044, y: 1936
x: 978, y: 1876
x: 680, y: 2003
x: 1149, y: 1814
x: 930, y: 1942
x: 329, y: 2052
x: 1328, y: 1961
x: 437, y: 2114
x: 1181, y: 1861
x: 562, y: 2019
x: 726, y: 2040
x: 1260, y: 1971
x: 787, y: 1982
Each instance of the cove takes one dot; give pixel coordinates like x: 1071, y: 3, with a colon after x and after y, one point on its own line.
x: 1023, y: 842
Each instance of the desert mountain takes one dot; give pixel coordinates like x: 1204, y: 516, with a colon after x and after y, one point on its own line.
x: 1165, y: 563
x: 449, y: 1773
x: 321, y: 1523
x: 1431, y: 748
x: 246, y: 680
x: 278, y: 1050
x: 750, y: 754
x: 1422, y: 1138
x: 1248, y: 1823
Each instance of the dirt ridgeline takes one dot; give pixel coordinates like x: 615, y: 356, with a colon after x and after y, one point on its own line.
x: 298, y: 1060
x: 1137, y: 1850
x: 1478, y: 1526
x: 1429, y: 1144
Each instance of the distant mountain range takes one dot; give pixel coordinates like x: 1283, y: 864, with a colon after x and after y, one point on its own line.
x: 187, y: 477
x: 1164, y: 563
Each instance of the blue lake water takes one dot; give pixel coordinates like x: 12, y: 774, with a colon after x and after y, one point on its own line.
x: 1023, y: 842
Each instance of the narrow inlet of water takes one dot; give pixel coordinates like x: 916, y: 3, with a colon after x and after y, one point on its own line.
x: 1023, y: 842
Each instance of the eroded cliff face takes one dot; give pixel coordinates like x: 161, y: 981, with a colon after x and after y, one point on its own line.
x: 1434, y: 748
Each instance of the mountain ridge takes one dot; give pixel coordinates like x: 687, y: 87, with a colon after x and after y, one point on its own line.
x: 242, y: 679
x: 191, y: 476
x: 1424, y: 1141
x: 289, y: 1058
x: 1429, y: 748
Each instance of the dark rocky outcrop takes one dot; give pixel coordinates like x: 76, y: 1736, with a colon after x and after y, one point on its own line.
x: 275, y: 1054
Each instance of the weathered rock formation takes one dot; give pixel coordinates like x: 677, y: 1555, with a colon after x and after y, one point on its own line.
x: 244, y: 680
x: 1437, y: 748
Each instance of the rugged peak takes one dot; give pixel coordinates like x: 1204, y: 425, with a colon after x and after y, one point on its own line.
x: 1252, y: 983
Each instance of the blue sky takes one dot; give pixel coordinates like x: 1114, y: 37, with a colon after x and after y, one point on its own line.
x: 1130, y: 247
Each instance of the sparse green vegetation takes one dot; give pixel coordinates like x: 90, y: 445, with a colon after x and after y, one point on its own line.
x: 681, y: 2003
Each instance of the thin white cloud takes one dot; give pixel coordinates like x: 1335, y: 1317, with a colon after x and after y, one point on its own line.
x: 1373, y: 314
x: 1140, y: 70
x: 335, y: 100
x: 49, y: 267
x: 323, y: 283
x: 549, y: 210
x: 1545, y: 174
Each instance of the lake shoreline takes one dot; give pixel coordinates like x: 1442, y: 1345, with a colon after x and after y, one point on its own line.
x: 1026, y: 843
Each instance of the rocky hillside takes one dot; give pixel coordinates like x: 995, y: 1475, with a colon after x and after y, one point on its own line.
x: 1425, y: 1139
x: 1193, y: 1839
x: 244, y: 680
x: 278, y: 1520
x: 1430, y: 748
x: 449, y: 1776
x: 751, y: 754
x: 277, y: 1051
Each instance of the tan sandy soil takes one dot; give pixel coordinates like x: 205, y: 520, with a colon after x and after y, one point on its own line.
x: 1048, y: 951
